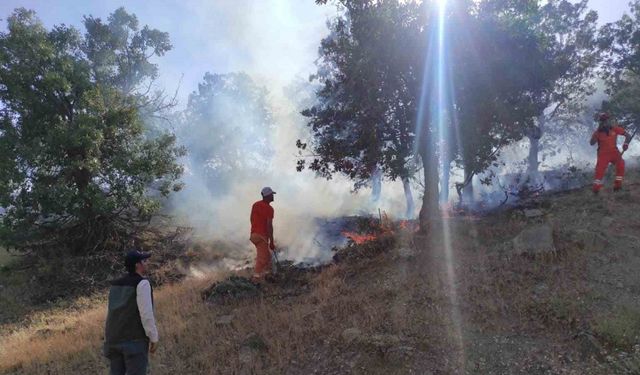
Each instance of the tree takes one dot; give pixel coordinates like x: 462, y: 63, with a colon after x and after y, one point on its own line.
x: 380, y: 103
x: 363, y: 123
x: 620, y: 44
x: 501, y: 67
x: 380, y: 106
x: 79, y: 172
x: 570, y: 30
x: 226, y: 127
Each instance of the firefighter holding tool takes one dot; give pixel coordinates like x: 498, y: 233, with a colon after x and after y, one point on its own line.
x: 262, y: 234
x: 606, y: 137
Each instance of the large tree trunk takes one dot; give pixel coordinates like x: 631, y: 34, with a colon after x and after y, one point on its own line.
x: 376, y: 184
x: 467, y: 191
x: 406, y: 183
x: 429, y: 211
x: 444, y: 186
x: 534, y: 149
x: 533, y: 162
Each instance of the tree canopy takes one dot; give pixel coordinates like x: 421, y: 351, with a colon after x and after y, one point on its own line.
x: 378, y: 102
x: 79, y: 171
x: 620, y: 45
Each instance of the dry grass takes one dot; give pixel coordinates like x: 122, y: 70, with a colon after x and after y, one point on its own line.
x: 269, y: 334
x: 394, y: 303
x: 59, y: 335
x: 59, y: 341
x: 517, y: 314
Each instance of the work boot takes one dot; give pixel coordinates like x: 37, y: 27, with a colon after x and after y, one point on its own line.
x: 596, y: 188
x: 257, y: 280
x: 270, y: 278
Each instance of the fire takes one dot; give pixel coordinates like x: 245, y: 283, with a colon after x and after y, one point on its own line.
x: 379, y: 228
x: 410, y: 226
x: 358, y: 238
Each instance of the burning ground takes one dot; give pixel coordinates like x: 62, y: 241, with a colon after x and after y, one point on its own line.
x: 549, y: 286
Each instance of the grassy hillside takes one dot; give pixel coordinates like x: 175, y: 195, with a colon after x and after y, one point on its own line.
x: 466, y: 300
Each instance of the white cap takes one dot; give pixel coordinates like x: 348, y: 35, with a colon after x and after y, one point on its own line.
x: 267, y: 191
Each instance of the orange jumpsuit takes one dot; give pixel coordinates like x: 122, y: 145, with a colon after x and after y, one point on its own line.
x: 261, y: 213
x: 608, y: 153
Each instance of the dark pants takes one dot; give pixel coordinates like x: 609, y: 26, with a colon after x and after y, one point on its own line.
x: 128, y: 358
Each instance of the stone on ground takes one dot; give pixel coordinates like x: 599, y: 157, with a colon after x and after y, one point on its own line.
x: 535, y: 240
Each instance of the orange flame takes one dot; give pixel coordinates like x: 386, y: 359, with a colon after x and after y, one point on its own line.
x: 408, y: 226
x: 358, y: 238
x: 380, y: 228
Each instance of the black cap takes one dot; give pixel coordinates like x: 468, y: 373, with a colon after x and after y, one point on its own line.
x: 133, y: 257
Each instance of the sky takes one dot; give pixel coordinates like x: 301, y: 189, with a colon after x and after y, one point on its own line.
x: 273, y: 40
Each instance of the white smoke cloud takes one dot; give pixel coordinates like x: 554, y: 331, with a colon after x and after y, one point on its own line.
x: 275, y: 42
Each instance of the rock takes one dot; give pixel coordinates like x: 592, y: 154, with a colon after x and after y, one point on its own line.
x: 590, y: 240
x: 606, y: 222
x: 534, y: 241
x: 533, y: 213
x: 406, y: 253
x: 351, y: 334
x: 224, y: 320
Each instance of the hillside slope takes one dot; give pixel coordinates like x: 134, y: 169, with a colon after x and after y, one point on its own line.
x: 468, y: 300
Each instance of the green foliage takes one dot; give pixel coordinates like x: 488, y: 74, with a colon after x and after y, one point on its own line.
x: 378, y: 67
x: 621, y: 329
x: 552, y: 50
x: 501, y: 69
x: 620, y: 45
x: 78, y: 168
x: 364, y: 118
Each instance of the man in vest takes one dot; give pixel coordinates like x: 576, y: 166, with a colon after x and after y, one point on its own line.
x: 606, y: 137
x: 131, y: 332
x: 262, y: 233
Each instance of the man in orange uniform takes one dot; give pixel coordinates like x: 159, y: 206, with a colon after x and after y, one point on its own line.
x: 606, y: 137
x: 262, y: 233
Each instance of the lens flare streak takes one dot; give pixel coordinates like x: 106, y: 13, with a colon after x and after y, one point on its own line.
x: 437, y: 87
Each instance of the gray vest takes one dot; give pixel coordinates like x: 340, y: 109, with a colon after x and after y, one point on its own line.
x: 123, y: 317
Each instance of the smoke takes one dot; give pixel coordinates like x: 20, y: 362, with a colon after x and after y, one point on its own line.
x: 566, y: 158
x: 300, y: 200
x: 276, y: 44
